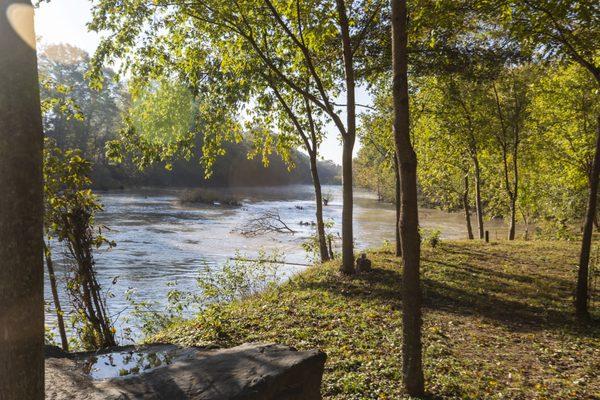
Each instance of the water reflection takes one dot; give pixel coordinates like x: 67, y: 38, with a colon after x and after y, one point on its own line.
x: 127, y: 362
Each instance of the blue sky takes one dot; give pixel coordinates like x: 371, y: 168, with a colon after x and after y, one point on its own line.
x: 64, y: 21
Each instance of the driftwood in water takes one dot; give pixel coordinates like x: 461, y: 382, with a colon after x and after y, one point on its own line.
x: 266, y: 222
x: 267, y: 261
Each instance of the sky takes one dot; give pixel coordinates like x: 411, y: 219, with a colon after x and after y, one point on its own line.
x: 64, y: 21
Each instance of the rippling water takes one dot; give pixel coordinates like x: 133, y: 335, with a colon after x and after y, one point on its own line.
x: 160, y: 241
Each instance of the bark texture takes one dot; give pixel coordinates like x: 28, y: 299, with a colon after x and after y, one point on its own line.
x: 21, y: 208
x: 409, y: 220
x: 398, y: 205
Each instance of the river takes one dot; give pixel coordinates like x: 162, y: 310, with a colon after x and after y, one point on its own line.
x: 160, y: 241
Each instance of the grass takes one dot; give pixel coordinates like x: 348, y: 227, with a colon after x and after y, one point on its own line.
x: 497, y: 324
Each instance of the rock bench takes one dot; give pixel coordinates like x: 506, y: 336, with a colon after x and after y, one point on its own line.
x: 247, y: 372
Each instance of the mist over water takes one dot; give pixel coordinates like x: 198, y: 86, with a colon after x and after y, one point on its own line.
x: 160, y: 241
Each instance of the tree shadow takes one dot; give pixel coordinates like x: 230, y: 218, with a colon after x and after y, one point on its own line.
x: 520, y: 302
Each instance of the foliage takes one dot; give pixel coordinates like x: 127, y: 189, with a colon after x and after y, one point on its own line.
x: 311, y: 244
x: 75, y: 115
x: 241, y: 278
x: 431, y: 237
x: 539, y: 120
x: 238, y: 278
x: 66, y: 182
x: 564, y: 113
x: 69, y: 209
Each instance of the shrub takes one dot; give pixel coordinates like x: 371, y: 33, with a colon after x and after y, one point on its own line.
x: 431, y: 237
x: 207, y: 196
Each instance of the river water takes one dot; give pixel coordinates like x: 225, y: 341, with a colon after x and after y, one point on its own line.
x: 160, y: 241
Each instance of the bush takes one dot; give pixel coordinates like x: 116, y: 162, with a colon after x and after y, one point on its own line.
x: 207, y: 196
x: 431, y: 237
x: 239, y: 278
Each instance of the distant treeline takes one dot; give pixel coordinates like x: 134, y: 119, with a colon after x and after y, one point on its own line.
x: 232, y: 169
x: 80, y: 117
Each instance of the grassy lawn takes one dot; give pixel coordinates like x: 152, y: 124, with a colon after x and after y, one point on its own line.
x: 497, y: 324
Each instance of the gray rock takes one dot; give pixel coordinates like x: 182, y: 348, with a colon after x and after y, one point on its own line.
x: 247, y: 372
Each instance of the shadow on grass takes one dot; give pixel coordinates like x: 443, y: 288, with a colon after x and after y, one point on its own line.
x: 520, y: 302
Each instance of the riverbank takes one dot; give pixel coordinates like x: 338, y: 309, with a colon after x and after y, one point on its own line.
x: 497, y: 324
x: 163, y: 244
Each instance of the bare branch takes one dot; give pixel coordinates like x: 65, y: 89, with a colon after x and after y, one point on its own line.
x: 267, y: 222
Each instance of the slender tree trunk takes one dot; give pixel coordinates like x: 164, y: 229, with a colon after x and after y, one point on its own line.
x: 526, y: 221
x: 21, y: 208
x: 324, y: 252
x: 581, y: 298
x: 59, y: 313
x: 409, y: 220
x: 513, y: 218
x: 478, y: 205
x: 398, y: 205
x: 348, y: 141
x: 467, y: 208
x: 514, y: 192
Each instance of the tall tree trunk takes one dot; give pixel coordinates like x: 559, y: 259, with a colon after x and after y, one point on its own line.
x: 467, y: 208
x: 398, y: 202
x: 347, y: 232
x: 478, y: 205
x: 59, y: 313
x: 581, y: 298
x: 323, y: 250
x: 21, y: 208
x: 348, y: 141
x: 409, y: 220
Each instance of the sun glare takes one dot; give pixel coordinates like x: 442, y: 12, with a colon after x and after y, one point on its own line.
x: 20, y: 18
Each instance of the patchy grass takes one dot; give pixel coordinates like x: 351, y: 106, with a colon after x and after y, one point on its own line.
x: 497, y: 324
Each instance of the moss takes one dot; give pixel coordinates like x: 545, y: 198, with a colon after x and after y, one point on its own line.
x: 497, y: 324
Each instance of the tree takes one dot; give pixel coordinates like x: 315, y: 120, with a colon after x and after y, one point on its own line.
x: 69, y: 217
x: 409, y: 217
x: 21, y: 208
x: 512, y: 98
x: 565, y: 30
x: 297, y: 110
x: 563, y: 117
x: 378, y: 155
x: 456, y: 119
x: 291, y: 39
x: 68, y: 95
x: 444, y: 165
